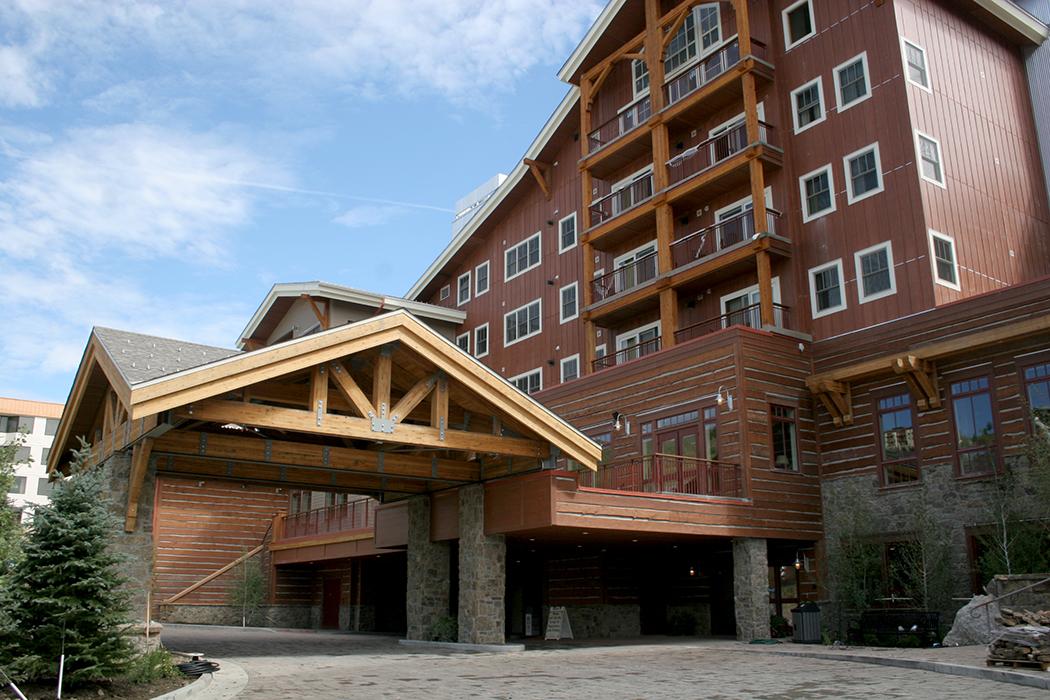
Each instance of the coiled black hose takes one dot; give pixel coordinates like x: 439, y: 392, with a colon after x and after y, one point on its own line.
x: 196, y: 668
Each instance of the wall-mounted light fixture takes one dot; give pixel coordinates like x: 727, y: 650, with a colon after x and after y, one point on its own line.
x: 617, y: 420
x: 692, y: 571
x: 798, y: 563
x: 724, y: 398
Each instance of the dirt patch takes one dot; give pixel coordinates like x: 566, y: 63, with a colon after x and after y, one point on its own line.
x: 116, y: 690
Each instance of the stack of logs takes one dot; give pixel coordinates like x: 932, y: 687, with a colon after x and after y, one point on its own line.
x: 1025, y: 643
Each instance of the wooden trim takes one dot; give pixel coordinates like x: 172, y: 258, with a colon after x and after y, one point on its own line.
x: 350, y: 390
x: 340, y: 538
x: 214, y: 575
x: 139, y: 465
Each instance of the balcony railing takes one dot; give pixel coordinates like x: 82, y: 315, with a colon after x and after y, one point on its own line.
x: 661, y: 474
x: 356, y: 515
x: 681, y: 86
x: 646, y: 347
x: 711, y: 152
x: 625, y: 278
x: 626, y: 121
x: 750, y: 316
x: 621, y: 200
x: 724, y: 234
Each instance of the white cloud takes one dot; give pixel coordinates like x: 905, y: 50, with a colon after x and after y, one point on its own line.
x: 22, y: 82
x: 368, y: 215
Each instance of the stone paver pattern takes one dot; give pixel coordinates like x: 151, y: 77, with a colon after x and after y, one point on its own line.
x: 294, y: 663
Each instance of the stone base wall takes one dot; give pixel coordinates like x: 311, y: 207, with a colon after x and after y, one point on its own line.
x: 601, y: 621
x: 136, y: 547
x: 427, y: 596
x: 1037, y: 597
x: 291, y: 616
x: 751, y: 588
x: 482, y: 572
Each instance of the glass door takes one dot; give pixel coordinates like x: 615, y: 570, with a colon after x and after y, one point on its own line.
x: 677, y: 473
x: 742, y: 310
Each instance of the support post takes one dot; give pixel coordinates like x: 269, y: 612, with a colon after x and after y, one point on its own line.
x: 751, y: 588
x: 426, y: 600
x: 482, y: 572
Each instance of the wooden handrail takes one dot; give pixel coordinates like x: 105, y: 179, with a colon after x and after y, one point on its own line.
x: 214, y: 575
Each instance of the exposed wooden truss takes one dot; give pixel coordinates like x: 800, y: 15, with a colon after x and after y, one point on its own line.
x: 837, y: 398
x: 921, y: 376
x: 540, y: 171
x: 324, y: 315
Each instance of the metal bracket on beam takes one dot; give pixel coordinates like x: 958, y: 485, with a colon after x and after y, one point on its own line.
x: 202, y: 444
x: 383, y: 425
x: 441, y: 428
x: 268, y: 450
x: 326, y: 455
x: 380, y: 459
x: 320, y: 412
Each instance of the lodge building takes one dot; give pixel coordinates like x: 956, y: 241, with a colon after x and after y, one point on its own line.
x: 766, y: 260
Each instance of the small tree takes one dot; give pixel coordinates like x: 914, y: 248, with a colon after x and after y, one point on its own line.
x: 248, y: 591
x: 854, y: 561
x: 10, y: 528
x: 66, y: 594
x: 924, y: 569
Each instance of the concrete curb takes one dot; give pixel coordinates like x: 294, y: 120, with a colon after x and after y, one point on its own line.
x: 988, y: 674
x: 456, y: 646
x: 188, y: 691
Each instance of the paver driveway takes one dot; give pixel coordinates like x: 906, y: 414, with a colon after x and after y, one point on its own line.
x: 300, y: 664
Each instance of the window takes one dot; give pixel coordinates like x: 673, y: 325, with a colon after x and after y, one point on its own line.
x: 44, y: 487
x: 569, y: 306
x: 16, y: 424
x: 785, y: 437
x: 875, y: 277
x: 896, y: 426
x: 522, y: 257
x: 481, y: 340
x: 445, y: 291
x: 632, y: 268
x: 18, y: 485
x: 570, y: 368
x: 463, y: 289
x: 567, y: 233
x: 798, y: 24
x: 523, y: 322
x: 529, y: 382
x: 709, y: 20
x: 45, y: 454
x: 463, y: 341
x: 1037, y: 389
x: 825, y: 284
x: 945, y: 266
x: 852, y: 83
x: 863, y: 173
x: 640, y: 77
x: 682, y: 48
x: 481, y: 279
x: 51, y: 426
x: 599, y: 351
x: 929, y: 152
x: 22, y: 455
x: 807, y: 103
x: 915, y: 65
x: 975, y: 442
x: 638, y: 342
x: 818, y: 193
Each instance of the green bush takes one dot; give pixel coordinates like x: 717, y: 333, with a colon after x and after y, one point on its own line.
x: 446, y: 629
x: 779, y: 626
x: 151, y: 666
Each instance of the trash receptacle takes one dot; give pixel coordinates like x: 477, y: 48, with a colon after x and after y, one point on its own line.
x: 806, y: 619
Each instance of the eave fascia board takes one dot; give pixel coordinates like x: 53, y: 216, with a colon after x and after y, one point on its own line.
x: 586, y: 45
x: 512, y: 181
x: 1017, y: 19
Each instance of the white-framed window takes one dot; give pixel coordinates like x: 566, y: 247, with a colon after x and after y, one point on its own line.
x: 852, y: 82
x: 944, y: 261
x: 522, y: 257
x: 445, y: 292
x: 742, y: 306
x: 481, y: 340
x: 928, y: 152
x: 523, y: 322
x: 635, y: 267
x: 638, y: 342
x: 915, y: 66
x: 530, y: 382
x: 569, y: 307
x: 863, y: 170
x: 463, y: 288
x: 567, y: 233
x: 799, y: 23
x: 875, y: 276
x: 826, y: 289
x: 463, y: 341
x: 639, y: 78
x: 599, y: 351
x: 481, y: 279
x: 807, y: 105
x: 817, y: 190
x: 570, y: 367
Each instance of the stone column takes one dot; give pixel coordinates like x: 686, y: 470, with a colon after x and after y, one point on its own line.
x: 137, y: 546
x: 482, y: 572
x: 751, y: 588
x: 426, y: 600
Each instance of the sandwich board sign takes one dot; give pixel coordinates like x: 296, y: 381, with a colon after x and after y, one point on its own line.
x: 558, y: 626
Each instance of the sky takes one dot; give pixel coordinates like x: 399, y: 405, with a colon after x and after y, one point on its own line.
x: 162, y: 164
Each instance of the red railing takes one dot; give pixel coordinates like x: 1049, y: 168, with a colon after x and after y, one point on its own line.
x: 660, y: 473
x: 628, y: 197
x: 724, y: 234
x: 750, y: 316
x: 711, y: 152
x: 625, y: 278
x: 355, y: 515
x: 627, y: 354
x: 626, y: 121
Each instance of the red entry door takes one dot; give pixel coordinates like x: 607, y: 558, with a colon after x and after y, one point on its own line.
x: 332, y: 596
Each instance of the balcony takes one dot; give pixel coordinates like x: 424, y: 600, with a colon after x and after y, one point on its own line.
x: 633, y: 352
x: 625, y: 278
x: 701, y: 74
x: 668, y: 474
x: 320, y: 522
x: 748, y: 316
x: 622, y: 200
x: 711, y: 240
x: 609, y: 136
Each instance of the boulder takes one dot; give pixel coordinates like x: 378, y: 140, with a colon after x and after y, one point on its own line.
x: 975, y: 625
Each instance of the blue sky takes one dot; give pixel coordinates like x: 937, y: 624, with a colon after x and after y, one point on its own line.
x: 162, y: 164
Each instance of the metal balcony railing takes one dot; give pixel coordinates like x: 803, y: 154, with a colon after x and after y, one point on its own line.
x: 711, y: 152
x: 619, y: 201
x: 724, y: 234
x: 646, y: 347
x: 685, y: 84
x: 345, y: 517
x: 663, y: 474
x: 749, y: 316
x: 623, y: 123
x: 625, y: 278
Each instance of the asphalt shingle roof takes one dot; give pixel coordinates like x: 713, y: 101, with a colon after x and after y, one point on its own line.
x: 141, y: 358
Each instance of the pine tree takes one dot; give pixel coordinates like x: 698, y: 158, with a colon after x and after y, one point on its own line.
x: 67, y: 593
x: 10, y: 528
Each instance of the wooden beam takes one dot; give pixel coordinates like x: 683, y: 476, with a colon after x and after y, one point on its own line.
x: 412, y: 398
x: 350, y: 390
x: 540, y: 171
x: 214, y: 575
x: 139, y: 465
x: 381, y: 381
x: 921, y: 377
x: 598, y: 81
x: 679, y: 20
x: 218, y: 411
x: 322, y: 316
x: 319, y: 392
x: 439, y: 407
x: 838, y: 400
x: 287, y: 453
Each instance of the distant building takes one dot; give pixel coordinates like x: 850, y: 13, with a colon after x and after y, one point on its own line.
x: 467, y: 206
x: 38, y: 420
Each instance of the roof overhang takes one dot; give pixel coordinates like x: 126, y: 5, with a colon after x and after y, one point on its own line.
x: 1016, y: 19
x: 583, y: 49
